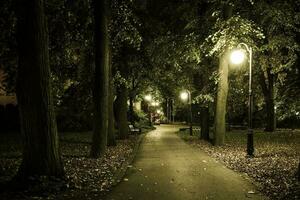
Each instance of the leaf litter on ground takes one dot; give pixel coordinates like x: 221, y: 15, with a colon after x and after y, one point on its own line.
x: 274, y: 166
x: 84, y: 175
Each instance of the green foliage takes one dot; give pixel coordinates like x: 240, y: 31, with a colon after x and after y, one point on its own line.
x: 124, y: 26
x: 230, y: 33
x: 141, y: 120
x: 280, y: 22
x: 8, y: 43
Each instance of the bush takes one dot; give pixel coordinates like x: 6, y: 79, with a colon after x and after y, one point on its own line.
x: 141, y: 119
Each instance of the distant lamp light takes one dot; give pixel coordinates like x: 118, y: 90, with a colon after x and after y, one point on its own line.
x: 154, y: 103
x: 148, y: 97
x: 184, y: 95
x: 237, y: 57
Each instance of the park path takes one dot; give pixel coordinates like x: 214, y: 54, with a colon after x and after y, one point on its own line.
x: 166, y: 168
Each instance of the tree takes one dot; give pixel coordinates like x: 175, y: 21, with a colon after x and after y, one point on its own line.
x: 121, y: 111
x: 41, y: 155
x: 125, y: 40
x: 230, y: 30
x: 111, y: 139
x: 221, y: 99
x: 279, y: 50
x: 101, y: 78
x: 120, y: 104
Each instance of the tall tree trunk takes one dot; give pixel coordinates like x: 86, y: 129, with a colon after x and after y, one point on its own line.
x: 121, y: 111
x: 41, y: 154
x: 171, y: 109
x: 298, y: 172
x: 168, y: 108
x: 267, y: 85
x: 111, y: 139
x: 204, y: 123
x: 220, y: 113
x: 131, y: 111
x: 101, y: 79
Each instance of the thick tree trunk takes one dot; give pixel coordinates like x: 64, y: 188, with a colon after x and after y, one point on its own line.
x: 171, y: 109
x: 111, y: 139
x: 121, y: 111
x: 131, y: 111
x: 267, y: 85
x: 220, y: 113
x: 41, y: 154
x: 167, y: 109
x: 101, y: 79
x: 298, y: 172
x: 204, y: 123
x: 270, y: 111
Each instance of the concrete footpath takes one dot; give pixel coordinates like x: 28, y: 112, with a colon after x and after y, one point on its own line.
x: 166, y: 168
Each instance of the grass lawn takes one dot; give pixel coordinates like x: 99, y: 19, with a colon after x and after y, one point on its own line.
x: 275, y: 163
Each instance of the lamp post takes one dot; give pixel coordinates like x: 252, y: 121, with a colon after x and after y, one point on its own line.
x: 237, y: 57
x: 186, y: 95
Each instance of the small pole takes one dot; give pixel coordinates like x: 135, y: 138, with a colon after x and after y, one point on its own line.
x: 191, y: 114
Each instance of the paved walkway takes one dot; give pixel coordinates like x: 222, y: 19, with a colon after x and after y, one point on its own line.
x: 166, y: 168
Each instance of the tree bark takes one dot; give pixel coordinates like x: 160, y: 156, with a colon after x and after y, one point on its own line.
x: 131, y: 111
x: 41, y: 155
x: 267, y: 85
x: 101, y: 79
x: 111, y: 139
x: 121, y: 111
x: 204, y: 123
x: 220, y: 113
x: 298, y: 172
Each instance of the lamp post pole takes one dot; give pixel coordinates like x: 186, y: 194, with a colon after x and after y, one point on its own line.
x: 250, y: 146
x: 186, y: 96
x: 191, y: 114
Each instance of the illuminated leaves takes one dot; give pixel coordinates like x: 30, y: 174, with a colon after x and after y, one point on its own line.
x: 231, y: 32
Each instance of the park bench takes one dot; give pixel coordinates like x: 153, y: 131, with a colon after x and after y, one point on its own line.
x: 230, y: 127
x: 133, y: 129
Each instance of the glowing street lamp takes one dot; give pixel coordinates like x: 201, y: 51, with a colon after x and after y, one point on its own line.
x: 237, y: 57
x: 148, y: 97
x: 154, y: 103
x: 186, y: 95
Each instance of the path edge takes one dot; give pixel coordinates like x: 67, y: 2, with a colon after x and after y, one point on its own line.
x: 124, y: 167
